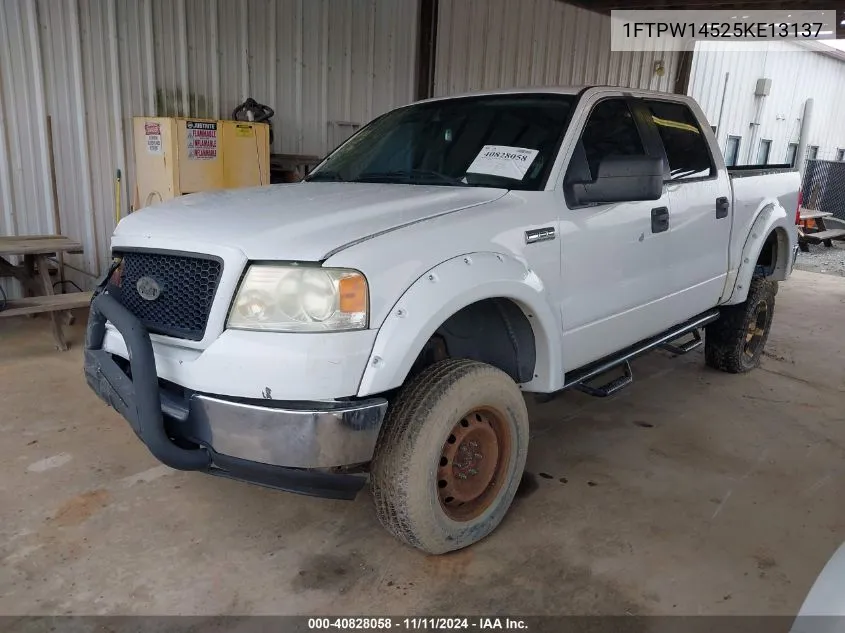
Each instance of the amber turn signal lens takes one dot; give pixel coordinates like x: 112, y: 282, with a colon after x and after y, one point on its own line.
x: 353, y: 294
x: 117, y: 276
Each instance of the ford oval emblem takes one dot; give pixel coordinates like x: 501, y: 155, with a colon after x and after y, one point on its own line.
x: 148, y: 288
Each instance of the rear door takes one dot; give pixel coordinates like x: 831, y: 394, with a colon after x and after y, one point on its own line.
x: 699, y: 208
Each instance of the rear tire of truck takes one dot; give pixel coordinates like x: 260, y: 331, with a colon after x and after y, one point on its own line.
x: 450, y: 455
x: 735, y: 341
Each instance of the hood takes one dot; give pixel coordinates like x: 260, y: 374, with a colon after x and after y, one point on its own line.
x: 302, y: 221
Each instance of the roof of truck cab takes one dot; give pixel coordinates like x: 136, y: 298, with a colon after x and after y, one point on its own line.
x: 560, y: 90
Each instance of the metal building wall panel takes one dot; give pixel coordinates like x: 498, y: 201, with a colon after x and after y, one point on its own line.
x: 203, y: 58
x: 796, y: 73
x: 289, y: 102
x: 314, y: 76
x: 262, y: 56
x: 92, y: 65
x: 20, y: 75
x: 58, y: 56
x: 137, y: 83
x: 232, y: 49
x: 167, y: 51
x: 488, y: 44
x: 100, y: 127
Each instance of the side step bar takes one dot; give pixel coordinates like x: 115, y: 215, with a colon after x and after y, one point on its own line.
x: 684, y: 348
x: 577, y: 379
x: 608, y: 389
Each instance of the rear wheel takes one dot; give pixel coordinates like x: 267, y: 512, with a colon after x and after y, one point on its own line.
x: 450, y: 456
x: 734, y: 343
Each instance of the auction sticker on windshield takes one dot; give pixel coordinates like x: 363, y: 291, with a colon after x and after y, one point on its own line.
x: 502, y: 160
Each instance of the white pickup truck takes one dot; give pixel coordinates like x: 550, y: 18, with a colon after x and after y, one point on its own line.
x: 381, y: 320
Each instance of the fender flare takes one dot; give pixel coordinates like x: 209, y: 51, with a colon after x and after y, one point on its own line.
x: 771, y: 217
x: 444, y: 290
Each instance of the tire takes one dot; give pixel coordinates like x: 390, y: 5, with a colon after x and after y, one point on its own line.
x: 448, y: 412
x: 735, y: 341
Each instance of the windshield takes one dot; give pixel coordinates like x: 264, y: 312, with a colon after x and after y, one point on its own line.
x: 507, y: 141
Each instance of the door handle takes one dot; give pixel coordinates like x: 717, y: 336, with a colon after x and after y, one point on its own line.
x: 540, y: 235
x: 659, y: 220
x: 722, y: 207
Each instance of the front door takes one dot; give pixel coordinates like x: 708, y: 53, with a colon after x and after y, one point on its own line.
x: 616, y: 267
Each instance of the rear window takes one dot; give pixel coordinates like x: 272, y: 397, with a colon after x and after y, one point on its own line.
x: 686, y: 147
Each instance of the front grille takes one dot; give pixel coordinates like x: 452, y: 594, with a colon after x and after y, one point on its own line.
x: 187, y: 285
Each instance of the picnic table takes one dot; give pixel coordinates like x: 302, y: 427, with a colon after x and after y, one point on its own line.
x: 821, y: 234
x: 34, y: 276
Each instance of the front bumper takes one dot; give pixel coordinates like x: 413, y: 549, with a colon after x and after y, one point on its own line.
x: 293, y: 446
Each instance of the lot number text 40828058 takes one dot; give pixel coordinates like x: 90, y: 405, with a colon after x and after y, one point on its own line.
x: 417, y: 624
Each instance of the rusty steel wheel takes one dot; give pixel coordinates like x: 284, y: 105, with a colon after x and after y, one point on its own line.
x: 472, y: 464
x: 756, y: 332
x: 442, y: 482
x: 735, y: 341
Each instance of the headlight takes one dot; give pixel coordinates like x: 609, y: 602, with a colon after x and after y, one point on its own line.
x: 300, y: 299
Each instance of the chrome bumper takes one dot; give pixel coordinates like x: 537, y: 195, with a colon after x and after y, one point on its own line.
x: 294, y: 446
x: 295, y: 435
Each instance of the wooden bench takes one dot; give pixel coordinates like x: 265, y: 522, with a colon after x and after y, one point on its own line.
x: 34, y: 277
x: 45, y: 303
x: 825, y: 236
x: 819, y: 232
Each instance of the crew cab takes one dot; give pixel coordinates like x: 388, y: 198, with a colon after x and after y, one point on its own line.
x: 380, y: 321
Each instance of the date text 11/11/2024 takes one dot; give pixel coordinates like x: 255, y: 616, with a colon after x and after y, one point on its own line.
x: 416, y: 624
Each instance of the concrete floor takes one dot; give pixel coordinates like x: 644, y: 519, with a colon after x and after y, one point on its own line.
x: 693, y: 492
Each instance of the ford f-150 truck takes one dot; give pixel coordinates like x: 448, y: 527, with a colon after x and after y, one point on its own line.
x: 381, y: 320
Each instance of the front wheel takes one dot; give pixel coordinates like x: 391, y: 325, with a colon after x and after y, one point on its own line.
x: 450, y: 456
x: 735, y: 341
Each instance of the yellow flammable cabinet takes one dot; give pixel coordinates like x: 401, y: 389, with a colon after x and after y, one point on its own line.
x: 175, y: 156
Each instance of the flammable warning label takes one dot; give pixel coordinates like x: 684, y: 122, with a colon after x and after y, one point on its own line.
x: 202, y: 140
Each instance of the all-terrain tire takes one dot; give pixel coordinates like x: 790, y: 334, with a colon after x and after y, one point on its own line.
x: 735, y: 341
x: 408, y: 465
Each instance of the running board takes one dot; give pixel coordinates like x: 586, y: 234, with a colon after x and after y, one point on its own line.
x: 578, y: 378
x: 684, y: 348
x: 608, y: 389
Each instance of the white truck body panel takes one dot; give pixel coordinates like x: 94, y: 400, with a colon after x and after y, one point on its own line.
x: 496, y: 227
x: 605, y: 284
x: 293, y: 222
x: 761, y: 205
x: 633, y: 300
x: 277, y: 365
x: 445, y: 289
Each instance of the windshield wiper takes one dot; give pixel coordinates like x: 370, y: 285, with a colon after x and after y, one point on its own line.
x: 325, y: 176
x: 413, y: 176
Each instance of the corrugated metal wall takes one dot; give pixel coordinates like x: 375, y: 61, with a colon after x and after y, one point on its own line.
x: 325, y: 66
x: 796, y: 73
x: 91, y: 65
x: 487, y: 44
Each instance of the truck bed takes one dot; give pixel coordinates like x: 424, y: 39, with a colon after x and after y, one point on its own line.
x: 753, y: 184
x: 744, y: 171
x: 754, y: 188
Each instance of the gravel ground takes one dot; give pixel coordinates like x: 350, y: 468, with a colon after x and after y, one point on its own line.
x: 821, y: 259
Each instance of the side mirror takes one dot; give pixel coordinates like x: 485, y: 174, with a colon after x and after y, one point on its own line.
x: 622, y: 179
